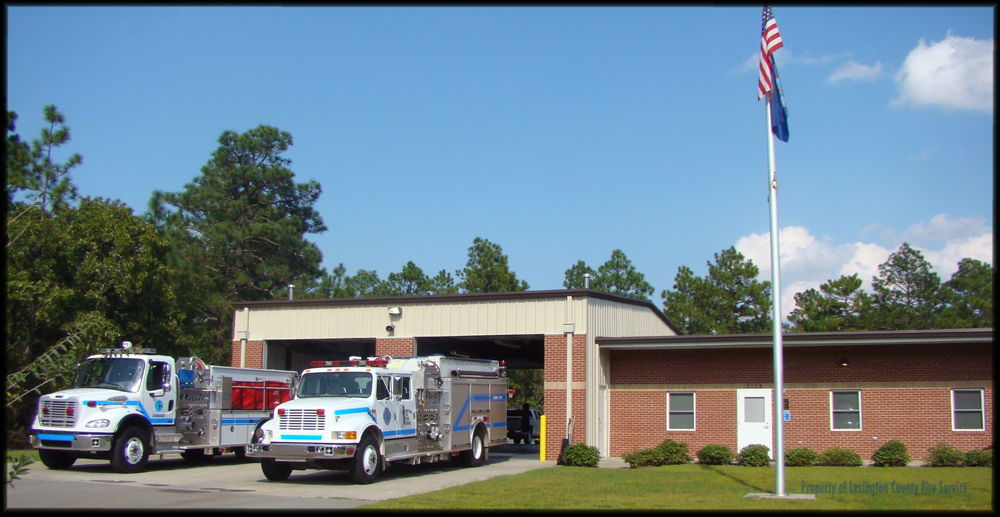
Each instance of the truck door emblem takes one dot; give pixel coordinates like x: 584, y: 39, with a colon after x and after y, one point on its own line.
x: 159, y: 405
x: 386, y: 416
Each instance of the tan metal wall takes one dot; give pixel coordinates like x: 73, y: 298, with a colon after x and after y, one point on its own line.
x: 611, y: 319
x: 481, y: 318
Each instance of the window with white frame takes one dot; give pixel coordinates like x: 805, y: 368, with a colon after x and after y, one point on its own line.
x: 845, y: 410
x: 680, y: 411
x: 967, y: 410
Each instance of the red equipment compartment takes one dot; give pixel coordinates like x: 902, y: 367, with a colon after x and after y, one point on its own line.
x: 275, y: 393
x: 247, y: 395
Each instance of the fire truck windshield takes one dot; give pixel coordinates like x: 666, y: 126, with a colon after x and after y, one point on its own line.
x: 117, y: 373
x: 336, y: 384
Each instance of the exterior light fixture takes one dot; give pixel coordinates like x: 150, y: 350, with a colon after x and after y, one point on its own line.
x: 843, y: 363
x: 395, y: 311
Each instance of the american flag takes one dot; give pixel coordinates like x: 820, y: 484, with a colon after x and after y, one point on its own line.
x: 770, y: 40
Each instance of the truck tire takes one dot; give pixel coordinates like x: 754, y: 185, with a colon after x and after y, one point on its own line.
x: 56, y: 460
x: 275, y: 470
x: 130, y: 451
x: 476, y: 455
x: 364, y: 467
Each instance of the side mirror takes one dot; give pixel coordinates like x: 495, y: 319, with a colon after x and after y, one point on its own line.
x: 167, y: 378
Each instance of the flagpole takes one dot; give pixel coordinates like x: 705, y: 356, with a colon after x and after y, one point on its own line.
x: 779, y: 392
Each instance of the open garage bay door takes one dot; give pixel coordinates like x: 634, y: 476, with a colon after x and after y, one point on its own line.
x: 295, y: 354
x: 520, y: 352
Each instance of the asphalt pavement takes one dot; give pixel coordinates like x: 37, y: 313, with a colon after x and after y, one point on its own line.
x: 226, y: 483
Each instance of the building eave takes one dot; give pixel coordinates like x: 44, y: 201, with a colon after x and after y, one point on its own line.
x: 799, y: 339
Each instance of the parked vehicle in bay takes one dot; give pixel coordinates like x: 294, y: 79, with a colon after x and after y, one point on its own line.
x: 515, y: 431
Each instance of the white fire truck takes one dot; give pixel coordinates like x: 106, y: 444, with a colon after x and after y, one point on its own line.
x: 362, y: 414
x: 128, y: 403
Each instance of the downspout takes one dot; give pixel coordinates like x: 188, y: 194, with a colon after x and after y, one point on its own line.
x: 568, y: 329
x: 243, y: 337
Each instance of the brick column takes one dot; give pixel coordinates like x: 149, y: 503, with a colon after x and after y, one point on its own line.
x: 555, y: 392
x: 254, y: 357
x: 396, y: 346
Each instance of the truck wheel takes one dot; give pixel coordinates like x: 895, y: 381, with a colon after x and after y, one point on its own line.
x: 275, y: 470
x: 527, y: 437
x: 365, y: 464
x: 56, y: 460
x: 475, y: 456
x: 130, y: 451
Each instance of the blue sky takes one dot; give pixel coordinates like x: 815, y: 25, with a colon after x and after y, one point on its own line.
x: 560, y: 134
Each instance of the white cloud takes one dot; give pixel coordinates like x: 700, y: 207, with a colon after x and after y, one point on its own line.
x: 979, y: 247
x: 808, y: 262
x: 955, y: 73
x: 939, y: 230
x: 853, y: 71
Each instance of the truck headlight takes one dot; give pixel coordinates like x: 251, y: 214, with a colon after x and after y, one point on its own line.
x: 104, y: 422
x: 344, y: 435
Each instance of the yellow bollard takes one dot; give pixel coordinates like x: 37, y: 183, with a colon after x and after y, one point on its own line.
x: 541, y: 440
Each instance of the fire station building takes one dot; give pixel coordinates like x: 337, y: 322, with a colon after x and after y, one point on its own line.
x: 619, y: 369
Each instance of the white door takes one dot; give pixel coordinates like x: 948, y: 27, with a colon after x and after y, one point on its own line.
x: 157, y: 402
x: 602, y: 408
x: 754, y: 422
x: 387, y: 408
x: 402, y: 392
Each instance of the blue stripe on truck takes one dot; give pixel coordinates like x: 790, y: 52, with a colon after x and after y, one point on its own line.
x: 56, y: 437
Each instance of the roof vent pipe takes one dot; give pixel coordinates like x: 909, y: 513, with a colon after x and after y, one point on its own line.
x: 586, y: 280
x: 291, y: 287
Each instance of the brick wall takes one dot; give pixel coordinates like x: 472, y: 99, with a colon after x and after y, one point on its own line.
x: 874, y: 363
x: 395, y: 346
x: 254, y: 354
x: 905, y: 394
x: 555, y: 397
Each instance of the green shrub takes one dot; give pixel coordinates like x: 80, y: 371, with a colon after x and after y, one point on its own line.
x: 673, y: 453
x: 580, y: 455
x: 643, y: 458
x: 892, y: 454
x: 801, y: 457
x: 839, y: 457
x: 715, y: 454
x: 944, y: 455
x: 978, y: 458
x: 754, y: 456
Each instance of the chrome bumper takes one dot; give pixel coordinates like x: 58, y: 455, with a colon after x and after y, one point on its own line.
x: 300, y: 451
x: 71, y: 442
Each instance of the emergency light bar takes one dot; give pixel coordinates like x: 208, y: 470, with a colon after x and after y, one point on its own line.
x: 375, y: 361
x: 127, y: 349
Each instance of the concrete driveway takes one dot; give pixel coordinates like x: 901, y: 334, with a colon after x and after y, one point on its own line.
x: 226, y: 483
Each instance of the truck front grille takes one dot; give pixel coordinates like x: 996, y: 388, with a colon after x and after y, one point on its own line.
x: 301, y: 420
x: 58, y: 413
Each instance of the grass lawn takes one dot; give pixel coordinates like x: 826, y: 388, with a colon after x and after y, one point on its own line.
x: 704, y: 487
x: 31, y: 454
